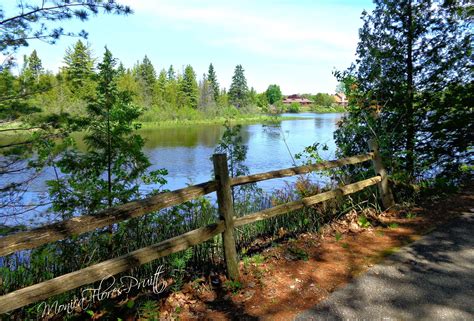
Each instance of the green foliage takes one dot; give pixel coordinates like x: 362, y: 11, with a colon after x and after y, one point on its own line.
x: 331, y: 109
x: 323, y: 100
x: 178, y: 263
x: 149, y: 311
x: 35, y: 66
x: 411, y: 88
x: 239, y: 92
x: 294, y: 108
x: 256, y: 259
x: 273, y: 94
x: 232, y: 145
x: 113, y: 169
x: 214, y: 84
x: 79, y: 67
x: 206, y: 95
x: 233, y: 286
x: 145, y: 75
x: 363, y: 221
x: 410, y: 215
x: 299, y: 253
x: 188, y: 89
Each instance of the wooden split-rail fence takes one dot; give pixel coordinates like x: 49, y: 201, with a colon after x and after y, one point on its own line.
x: 225, y: 225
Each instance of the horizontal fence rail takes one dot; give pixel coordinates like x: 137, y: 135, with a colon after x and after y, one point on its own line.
x: 307, y: 201
x: 301, y: 169
x: 97, y: 272
x: 225, y: 225
x: 82, y: 224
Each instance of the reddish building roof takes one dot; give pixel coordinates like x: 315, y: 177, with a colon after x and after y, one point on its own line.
x: 296, y: 99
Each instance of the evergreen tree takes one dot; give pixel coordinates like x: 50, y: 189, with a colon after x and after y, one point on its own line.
x: 212, y: 79
x: 121, y: 70
x: 171, y: 89
x: 113, y: 168
x: 412, y: 56
x: 79, y: 64
x: 171, y: 73
x: 161, y: 85
x: 147, y: 73
x: 146, y: 76
x: 35, y: 65
x: 238, y: 92
x: 188, y: 88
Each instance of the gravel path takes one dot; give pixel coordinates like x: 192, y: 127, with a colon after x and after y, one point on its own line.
x: 432, y: 279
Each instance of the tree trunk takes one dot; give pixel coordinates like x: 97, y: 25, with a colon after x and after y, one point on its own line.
x: 410, y: 119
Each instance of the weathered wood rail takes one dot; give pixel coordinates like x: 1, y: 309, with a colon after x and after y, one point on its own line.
x: 225, y: 225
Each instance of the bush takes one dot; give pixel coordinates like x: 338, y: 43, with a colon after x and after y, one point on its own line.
x: 294, y: 108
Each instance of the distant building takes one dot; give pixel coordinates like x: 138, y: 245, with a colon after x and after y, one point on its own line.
x: 296, y: 99
x: 340, y: 99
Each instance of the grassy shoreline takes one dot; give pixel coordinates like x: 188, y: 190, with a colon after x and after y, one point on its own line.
x: 255, y: 119
x: 220, y: 120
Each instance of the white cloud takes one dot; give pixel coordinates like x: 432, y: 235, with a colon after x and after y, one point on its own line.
x: 277, y: 34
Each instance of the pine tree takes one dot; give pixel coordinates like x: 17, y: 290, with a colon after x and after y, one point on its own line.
x: 188, y: 88
x: 238, y: 92
x: 79, y: 64
x: 114, y: 167
x: 212, y: 79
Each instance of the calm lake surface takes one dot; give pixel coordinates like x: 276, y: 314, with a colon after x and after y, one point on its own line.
x: 186, y: 151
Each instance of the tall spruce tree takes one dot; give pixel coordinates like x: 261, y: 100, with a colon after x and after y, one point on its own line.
x: 146, y: 76
x: 188, y: 88
x: 412, y: 56
x: 147, y: 73
x: 212, y: 79
x: 79, y: 64
x: 238, y: 92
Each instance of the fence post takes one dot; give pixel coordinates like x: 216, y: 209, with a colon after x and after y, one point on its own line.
x: 226, y: 212
x: 384, y: 187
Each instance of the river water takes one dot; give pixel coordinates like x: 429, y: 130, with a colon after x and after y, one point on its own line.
x: 185, y: 151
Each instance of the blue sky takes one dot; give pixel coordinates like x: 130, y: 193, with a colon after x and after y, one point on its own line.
x: 295, y: 44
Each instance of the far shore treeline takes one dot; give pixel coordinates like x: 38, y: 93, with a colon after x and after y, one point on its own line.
x: 164, y: 95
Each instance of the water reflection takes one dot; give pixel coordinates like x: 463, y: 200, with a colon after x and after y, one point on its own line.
x: 186, y: 151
